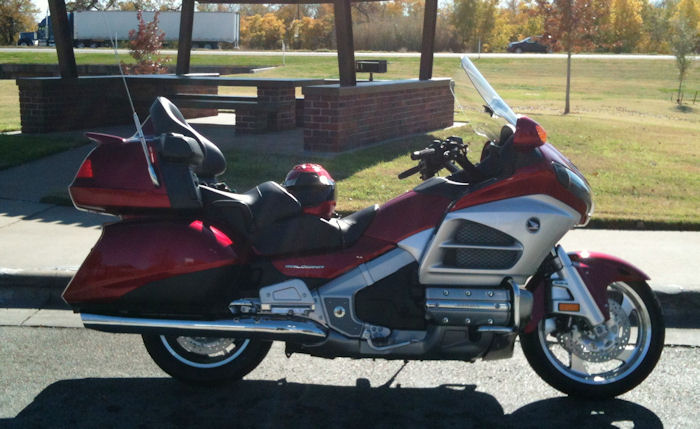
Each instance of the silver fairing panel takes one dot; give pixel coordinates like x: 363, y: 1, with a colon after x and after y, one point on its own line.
x: 534, y: 224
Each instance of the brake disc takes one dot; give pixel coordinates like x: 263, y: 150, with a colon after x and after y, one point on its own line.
x: 602, y: 344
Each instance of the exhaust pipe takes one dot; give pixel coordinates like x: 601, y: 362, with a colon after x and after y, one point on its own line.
x: 259, y: 328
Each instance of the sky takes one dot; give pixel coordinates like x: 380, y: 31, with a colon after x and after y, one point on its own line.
x: 43, y: 6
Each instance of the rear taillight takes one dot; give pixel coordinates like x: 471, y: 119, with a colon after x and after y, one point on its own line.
x: 85, y: 171
x: 528, y: 134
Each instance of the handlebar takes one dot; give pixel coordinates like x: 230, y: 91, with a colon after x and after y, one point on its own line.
x: 409, y: 172
x: 439, y: 154
x: 420, y: 154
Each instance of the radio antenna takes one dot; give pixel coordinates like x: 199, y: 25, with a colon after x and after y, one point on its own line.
x: 135, y: 116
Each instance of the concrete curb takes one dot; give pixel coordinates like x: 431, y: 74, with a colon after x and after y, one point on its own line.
x: 43, y: 289
x: 33, y: 289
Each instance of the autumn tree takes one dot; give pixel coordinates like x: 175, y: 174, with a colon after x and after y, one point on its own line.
x: 266, y: 32
x: 145, y: 44
x: 626, y: 24
x: 15, y: 16
x: 656, y: 18
x: 572, y: 24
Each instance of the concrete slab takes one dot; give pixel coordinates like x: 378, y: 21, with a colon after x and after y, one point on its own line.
x: 55, y: 238
x: 15, y: 316
x: 13, y: 211
x: 54, y: 318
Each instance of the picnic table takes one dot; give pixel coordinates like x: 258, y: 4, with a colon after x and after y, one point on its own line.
x: 273, y: 109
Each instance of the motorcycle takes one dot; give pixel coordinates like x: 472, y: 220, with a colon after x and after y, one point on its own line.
x: 455, y: 269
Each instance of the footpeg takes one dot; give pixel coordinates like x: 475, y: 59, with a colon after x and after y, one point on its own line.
x: 371, y: 332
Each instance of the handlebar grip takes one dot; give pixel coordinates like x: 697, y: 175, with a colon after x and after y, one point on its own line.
x: 409, y: 172
x: 420, y: 154
x: 451, y: 167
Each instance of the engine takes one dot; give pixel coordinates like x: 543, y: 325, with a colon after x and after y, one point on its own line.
x: 499, y: 309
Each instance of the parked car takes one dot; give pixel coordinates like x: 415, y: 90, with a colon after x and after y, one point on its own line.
x: 528, y: 44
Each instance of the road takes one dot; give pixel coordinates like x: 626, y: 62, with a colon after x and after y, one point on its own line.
x: 373, y: 54
x: 77, y: 378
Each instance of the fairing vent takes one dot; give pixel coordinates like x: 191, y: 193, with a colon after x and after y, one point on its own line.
x: 478, y: 247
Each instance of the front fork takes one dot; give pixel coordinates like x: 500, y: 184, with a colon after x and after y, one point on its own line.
x: 559, y: 289
x: 569, y: 294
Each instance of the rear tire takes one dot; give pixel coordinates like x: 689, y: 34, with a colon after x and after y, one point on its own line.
x: 204, y: 360
x: 572, y: 360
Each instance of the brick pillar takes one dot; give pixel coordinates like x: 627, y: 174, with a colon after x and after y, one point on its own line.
x: 284, y: 118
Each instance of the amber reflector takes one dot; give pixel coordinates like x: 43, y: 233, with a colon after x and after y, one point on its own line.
x: 569, y: 307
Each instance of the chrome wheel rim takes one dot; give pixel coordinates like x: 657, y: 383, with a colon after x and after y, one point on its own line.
x: 606, y: 357
x: 204, y: 352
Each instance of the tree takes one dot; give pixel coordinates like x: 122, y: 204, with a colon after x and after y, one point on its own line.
x: 572, y: 24
x: 15, y: 16
x: 626, y: 24
x: 475, y: 21
x: 656, y: 28
x: 266, y: 32
x: 684, y: 39
x: 80, y: 5
x: 145, y: 44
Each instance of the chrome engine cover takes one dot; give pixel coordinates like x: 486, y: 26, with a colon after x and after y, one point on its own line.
x: 500, y: 309
x: 469, y: 306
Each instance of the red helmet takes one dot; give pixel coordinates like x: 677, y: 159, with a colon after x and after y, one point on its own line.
x: 313, y: 187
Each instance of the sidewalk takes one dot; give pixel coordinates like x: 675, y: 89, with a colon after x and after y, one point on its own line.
x: 42, y: 244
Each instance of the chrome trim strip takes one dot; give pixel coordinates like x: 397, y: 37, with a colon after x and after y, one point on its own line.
x: 497, y: 329
x: 469, y: 305
x: 254, y: 327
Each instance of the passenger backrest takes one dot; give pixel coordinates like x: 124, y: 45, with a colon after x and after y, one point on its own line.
x: 167, y: 118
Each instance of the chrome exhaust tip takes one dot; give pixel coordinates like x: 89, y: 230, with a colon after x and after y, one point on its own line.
x: 258, y: 328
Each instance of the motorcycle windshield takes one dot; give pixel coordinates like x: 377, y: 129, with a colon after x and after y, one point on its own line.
x: 492, y: 99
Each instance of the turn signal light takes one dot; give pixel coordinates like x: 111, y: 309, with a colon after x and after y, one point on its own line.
x: 85, y: 171
x: 528, y: 134
x: 574, y: 308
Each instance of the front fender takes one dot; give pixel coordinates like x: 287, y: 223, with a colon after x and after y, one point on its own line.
x: 597, y: 270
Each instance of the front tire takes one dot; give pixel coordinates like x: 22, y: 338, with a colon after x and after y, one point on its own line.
x: 205, y: 360
x: 574, y: 359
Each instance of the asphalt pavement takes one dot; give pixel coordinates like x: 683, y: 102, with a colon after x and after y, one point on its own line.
x: 69, y: 378
x: 42, y: 244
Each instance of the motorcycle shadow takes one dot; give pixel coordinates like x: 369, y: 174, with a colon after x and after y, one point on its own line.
x: 162, y: 402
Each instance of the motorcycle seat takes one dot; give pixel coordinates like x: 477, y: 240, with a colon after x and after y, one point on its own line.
x: 310, y: 233
x: 252, y: 210
x: 272, y: 219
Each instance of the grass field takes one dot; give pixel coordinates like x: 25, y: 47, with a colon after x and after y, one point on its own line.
x: 638, y: 150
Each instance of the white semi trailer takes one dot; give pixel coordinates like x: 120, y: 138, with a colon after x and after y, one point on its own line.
x: 95, y: 28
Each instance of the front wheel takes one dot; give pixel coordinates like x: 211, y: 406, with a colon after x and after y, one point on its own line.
x: 604, y: 361
x: 205, y: 360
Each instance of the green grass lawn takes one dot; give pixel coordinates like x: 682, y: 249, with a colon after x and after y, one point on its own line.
x: 637, y: 149
x: 18, y: 149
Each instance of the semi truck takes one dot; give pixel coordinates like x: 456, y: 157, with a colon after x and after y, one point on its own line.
x: 96, y: 28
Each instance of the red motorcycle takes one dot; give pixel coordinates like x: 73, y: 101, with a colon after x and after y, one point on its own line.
x: 455, y: 269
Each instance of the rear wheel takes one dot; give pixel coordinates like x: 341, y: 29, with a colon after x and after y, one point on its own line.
x: 600, y: 363
x: 205, y: 360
